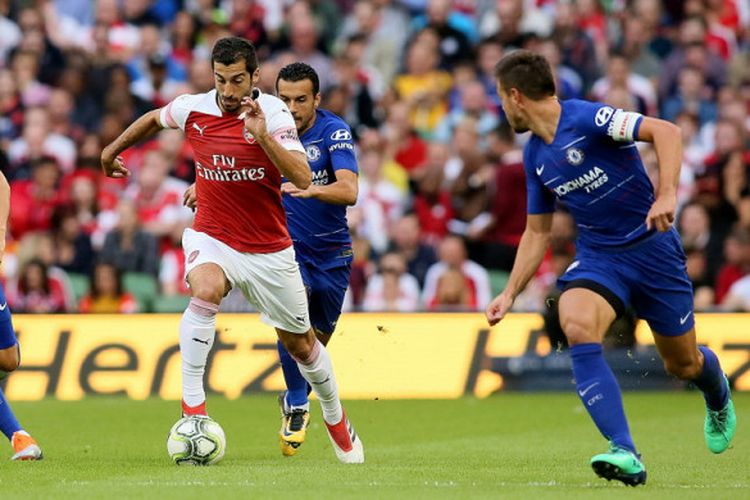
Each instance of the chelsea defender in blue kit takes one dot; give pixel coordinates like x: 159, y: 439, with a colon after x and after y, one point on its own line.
x: 24, y: 446
x: 316, y: 217
x: 582, y: 154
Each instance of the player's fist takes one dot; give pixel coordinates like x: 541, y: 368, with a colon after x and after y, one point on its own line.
x: 661, y: 215
x: 295, y: 192
x: 189, y: 198
x: 498, y: 308
x: 114, y: 166
x: 253, y: 116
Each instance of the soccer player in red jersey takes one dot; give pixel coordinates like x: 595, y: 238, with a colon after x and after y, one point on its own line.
x: 244, y: 141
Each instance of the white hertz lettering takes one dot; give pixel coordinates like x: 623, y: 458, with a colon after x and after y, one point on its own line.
x: 589, y: 181
x: 229, y: 174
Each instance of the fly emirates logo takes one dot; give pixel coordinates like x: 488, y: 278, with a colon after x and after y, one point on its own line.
x: 589, y: 181
x: 224, y: 170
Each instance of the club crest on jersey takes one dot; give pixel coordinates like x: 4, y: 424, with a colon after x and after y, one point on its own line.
x: 248, y: 136
x: 313, y: 152
x: 574, y: 156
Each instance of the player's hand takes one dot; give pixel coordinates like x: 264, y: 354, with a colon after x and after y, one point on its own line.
x: 189, y: 198
x: 253, y: 116
x: 661, y: 215
x: 498, y: 308
x: 114, y: 167
x: 295, y: 192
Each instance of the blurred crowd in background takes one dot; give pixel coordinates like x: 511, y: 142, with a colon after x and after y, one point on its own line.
x: 442, y: 193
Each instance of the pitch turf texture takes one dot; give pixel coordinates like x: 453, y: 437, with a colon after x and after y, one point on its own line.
x: 507, y: 446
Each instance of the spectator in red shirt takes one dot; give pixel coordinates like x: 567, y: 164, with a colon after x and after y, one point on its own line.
x: 736, y: 262
x: 35, y: 200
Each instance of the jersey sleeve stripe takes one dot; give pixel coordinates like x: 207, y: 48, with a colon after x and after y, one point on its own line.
x: 165, y: 117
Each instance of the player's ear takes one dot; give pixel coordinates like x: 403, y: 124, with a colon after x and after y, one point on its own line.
x: 515, y: 96
x: 256, y: 75
x: 316, y: 100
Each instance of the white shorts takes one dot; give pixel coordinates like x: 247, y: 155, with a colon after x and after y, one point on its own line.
x: 270, y: 281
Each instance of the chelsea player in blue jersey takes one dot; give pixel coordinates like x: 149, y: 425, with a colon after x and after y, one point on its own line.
x: 316, y: 217
x: 582, y: 154
x: 24, y: 446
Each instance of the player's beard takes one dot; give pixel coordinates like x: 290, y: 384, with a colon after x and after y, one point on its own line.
x: 516, y: 125
x: 231, y: 105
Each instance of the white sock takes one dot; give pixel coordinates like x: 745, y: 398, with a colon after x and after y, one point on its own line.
x: 197, y: 331
x: 318, y: 371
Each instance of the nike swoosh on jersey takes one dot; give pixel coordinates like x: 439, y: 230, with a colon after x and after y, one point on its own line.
x: 2, y: 307
x: 685, y: 318
x: 539, y: 170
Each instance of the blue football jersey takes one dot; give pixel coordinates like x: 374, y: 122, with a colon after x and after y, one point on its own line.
x: 319, y: 229
x: 592, y: 167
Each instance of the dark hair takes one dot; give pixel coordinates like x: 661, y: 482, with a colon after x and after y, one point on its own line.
x: 231, y: 49
x: 93, y: 290
x: 23, y: 282
x: 297, y: 72
x: 527, y: 72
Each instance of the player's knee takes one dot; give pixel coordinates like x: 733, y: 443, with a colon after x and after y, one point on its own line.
x: 687, y: 368
x: 210, y: 292
x: 301, y: 346
x: 578, y: 331
x: 9, y: 360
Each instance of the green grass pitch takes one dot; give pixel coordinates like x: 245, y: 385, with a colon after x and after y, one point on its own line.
x: 507, y: 446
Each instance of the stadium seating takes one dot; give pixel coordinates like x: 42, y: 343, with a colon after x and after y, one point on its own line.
x: 498, y: 280
x: 170, y: 303
x: 79, y: 283
x: 144, y: 288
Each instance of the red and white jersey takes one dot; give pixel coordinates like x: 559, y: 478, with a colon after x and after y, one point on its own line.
x: 237, y: 185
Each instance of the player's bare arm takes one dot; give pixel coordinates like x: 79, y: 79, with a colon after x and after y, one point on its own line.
x: 144, y: 127
x: 531, y: 249
x: 667, y: 141
x: 342, y: 192
x: 292, y: 164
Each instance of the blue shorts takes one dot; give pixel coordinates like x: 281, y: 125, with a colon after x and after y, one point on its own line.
x: 7, y: 334
x: 325, y: 293
x: 650, y: 274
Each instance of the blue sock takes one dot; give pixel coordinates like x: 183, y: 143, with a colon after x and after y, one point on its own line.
x: 8, y: 422
x: 711, y: 381
x: 597, y: 387
x: 297, y: 388
x: 7, y: 333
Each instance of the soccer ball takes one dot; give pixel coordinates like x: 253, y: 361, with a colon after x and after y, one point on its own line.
x: 196, y: 440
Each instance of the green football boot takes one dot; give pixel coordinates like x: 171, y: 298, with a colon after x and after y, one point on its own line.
x: 719, y: 426
x: 620, y: 464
